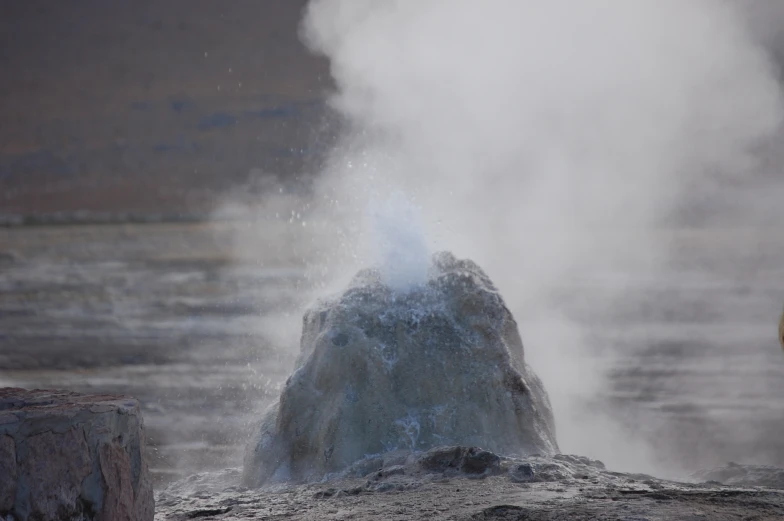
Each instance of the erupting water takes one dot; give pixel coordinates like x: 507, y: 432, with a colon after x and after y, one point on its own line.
x: 403, y: 256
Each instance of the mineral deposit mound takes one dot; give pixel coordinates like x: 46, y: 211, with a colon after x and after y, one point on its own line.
x: 382, y: 370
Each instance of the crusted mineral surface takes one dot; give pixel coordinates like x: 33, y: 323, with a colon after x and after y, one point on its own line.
x: 383, y: 371
x: 459, y: 483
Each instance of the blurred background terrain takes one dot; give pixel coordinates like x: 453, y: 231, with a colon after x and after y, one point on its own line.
x: 152, y: 112
x: 152, y: 109
x: 125, y: 128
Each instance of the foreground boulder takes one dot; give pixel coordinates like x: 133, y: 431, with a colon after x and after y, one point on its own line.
x: 66, y: 456
x: 382, y: 371
x: 781, y: 330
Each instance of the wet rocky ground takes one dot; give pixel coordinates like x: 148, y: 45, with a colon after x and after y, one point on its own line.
x: 460, y: 483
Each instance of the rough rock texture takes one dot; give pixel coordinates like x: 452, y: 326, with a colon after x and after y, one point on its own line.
x: 382, y: 371
x: 8, y: 473
x: 66, y: 456
x: 468, y: 483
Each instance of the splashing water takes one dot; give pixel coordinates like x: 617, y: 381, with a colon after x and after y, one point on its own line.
x: 400, y: 245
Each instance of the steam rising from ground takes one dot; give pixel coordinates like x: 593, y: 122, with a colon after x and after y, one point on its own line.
x: 544, y: 140
x: 549, y: 141
x: 401, y: 248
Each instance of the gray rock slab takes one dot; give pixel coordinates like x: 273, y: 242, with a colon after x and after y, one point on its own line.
x: 69, y: 456
x: 8, y: 473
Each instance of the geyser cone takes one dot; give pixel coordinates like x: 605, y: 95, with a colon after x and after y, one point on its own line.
x: 383, y: 370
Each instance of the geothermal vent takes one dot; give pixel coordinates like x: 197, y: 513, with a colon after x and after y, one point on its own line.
x: 382, y: 371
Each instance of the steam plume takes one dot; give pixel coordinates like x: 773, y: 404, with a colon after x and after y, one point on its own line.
x: 546, y: 140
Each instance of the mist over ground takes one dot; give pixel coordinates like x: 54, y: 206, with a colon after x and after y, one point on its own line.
x: 570, y: 149
x: 613, y: 165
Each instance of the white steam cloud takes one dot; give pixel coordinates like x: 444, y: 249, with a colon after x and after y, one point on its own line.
x: 401, y: 247
x: 548, y: 140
